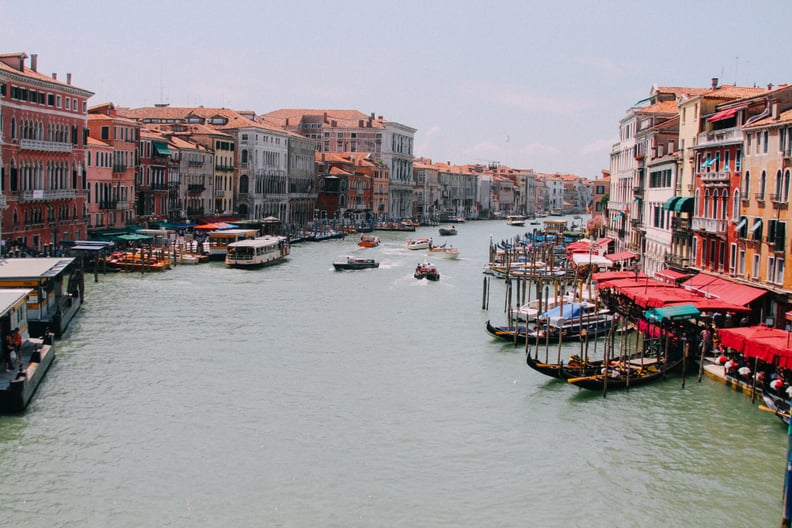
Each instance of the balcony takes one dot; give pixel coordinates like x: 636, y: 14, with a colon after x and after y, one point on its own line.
x: 759, y: 197
x: 45, y: 146
x: 42, y: 195
x: 779, y: 202
x: 219, y: 192
x: 715, y: 177
x: 119, y: 167
x: 110, y: 204
x: 195, y: 163
x: 680, y: 224
x: 715, y: 226
x: 635, y: 222
x: 675, y: 261
x: 638, y: 192
x: 720, y: 137
x: 196, y: 188
x: 2, y: 201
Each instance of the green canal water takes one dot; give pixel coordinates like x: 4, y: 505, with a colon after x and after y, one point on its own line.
x: 299, y: 396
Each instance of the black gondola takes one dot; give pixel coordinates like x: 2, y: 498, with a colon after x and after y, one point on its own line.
x: 624, y: 375
x: 575, y: 368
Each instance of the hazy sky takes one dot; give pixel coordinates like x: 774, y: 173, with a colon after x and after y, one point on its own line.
x: 538, y: 85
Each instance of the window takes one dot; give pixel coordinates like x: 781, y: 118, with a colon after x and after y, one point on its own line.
x: 105, y: 132
x: 747, y: 184
x: 762, y: 185
x: 736, y: 204
x: 58, y: 101
x: 755, y: 271
x: 737, y: 160
x: 766, y: 136
x: 741, y: 268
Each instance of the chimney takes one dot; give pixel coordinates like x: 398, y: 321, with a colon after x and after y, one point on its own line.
x: 287, y: 121
x: 55, y: 76
x: 68, y: 78
x: 34, y: 61
x: 774, y: 110
x: 372, y: 115
x: 360, y: 123
x: 769, y: 86
x: 714, y: 83
x: 325, y: 117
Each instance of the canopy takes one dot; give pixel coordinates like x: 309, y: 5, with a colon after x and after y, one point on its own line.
x: 631, y: 282
x: 742, y: 223
x: 711, y: 286
x: 610, y: 275
x: 672, y: 313
x: 671, y: 276
x: 584, y: 259
x: 767, y: 344
x: 669, y: 204
x: 131, y: 237
x: 724, y: 114
x: 623, y: 255
x: 161, y: 148
x: 684, y: 205
x: 715, y: 305
x: 571, y: 310
x: 658, y: 296
x: 216, y: 226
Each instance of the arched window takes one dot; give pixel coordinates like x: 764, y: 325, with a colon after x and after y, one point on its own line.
x: 243, y: 184
x: 747, y: 184
x: 779, y: 186
x: 707, y: 211
x: 785, y: 190
x: 762, y: 185
x: 725, y: 210
x: 736, y: 204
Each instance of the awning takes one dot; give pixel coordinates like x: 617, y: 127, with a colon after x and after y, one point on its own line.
x: 724, y: 114
x: 623, y: 255
x: 672, y: 313
x: 684, y: 205
x: 162, y: 149
x: 757, y: 225
x: 711, y: 286
x: 603, y: 241
x: 583, y: 259
x: 669, y: 204
x: 618, y: 217
x: 768, y: 344
x: 672, y: 276
x: 742, y: 223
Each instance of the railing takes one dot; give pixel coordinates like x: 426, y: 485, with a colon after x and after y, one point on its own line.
x: 716, y: 226
x: 119, y: 167
x: 727, y: 135
x: 677, y: 261
x: 195, y: 163
x: 196, y: 188
x: 759, y: 197
x: 42, y: 195
x: 45, y: 146
x: 219, y: 192
x: 779, y: 202
x: 108, y: 204
x: 680, y: 224
x: 635, y: 222
x: 2, y: 201
x: 638, y: 191
x: 122, y: 205
x: 715, y: 177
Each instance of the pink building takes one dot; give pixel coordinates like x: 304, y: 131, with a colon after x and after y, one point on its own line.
x: 42, y: 155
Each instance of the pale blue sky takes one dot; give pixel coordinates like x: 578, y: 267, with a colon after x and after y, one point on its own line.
x: 538, y: 85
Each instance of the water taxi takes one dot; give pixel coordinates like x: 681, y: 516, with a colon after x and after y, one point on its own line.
x: 257, y: 252
x: 369, y: 241
x: 355, y: 263
x: 419, y: 243
x: 448, y: 231
x: 449, y: 252
x: 220, y: 239
x: 515, y: 220
x: 426, y: 270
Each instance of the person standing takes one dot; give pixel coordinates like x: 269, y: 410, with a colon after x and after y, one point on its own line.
x: 8, y: 347
x: 18, y: 345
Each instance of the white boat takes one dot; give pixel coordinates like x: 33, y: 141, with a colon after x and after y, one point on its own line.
x: 449, y: 252
x: 355, y: 263
x: 515, y: 220
x: 419, y: 243
x: 220, y: 239
x: 448, y: 231
x: 529, y: 311
x: 257, y: 252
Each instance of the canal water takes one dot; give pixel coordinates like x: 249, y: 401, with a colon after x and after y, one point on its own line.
x: 299, y: 396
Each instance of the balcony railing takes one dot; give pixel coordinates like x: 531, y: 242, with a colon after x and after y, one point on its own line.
x: 779, y: 202
x: 196, y: 188
x: 638, y: 191
x: 122, y: 205
x: 45, y: 146
x: 720, y: 137
x: 119, y: 167
x: 680, y: 224
x: 111, y: 204
x: 42, y: 195
x: 677, y: 261
x: 2, y: 201
x: 715, y: 177
x: 759, y: 197
x: 716, y: 226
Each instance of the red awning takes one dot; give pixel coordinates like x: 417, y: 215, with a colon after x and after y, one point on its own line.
x: 767, y: 344
x: 658, y: 296
x: 724, y: 290
x: 723, y: 114
x: 714, y: 305
x: 671, y: 276
x: 623, y: 255
x: 610, y: 275
x: 603, y: 241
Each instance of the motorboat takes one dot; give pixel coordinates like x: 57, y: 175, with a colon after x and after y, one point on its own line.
x: 515, y: 220
x: 426, y: 270
x: 369, y: 241
x: 444, y: 251
x: 257, y: 252
x: 448, y: 231
x: 419, y: 243
x: 355, y: 263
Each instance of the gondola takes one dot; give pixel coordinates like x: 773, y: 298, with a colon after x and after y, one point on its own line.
x: 776, y: 405
x: 621, y: 376
x: 593, y: 327
x: 575, y: 368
